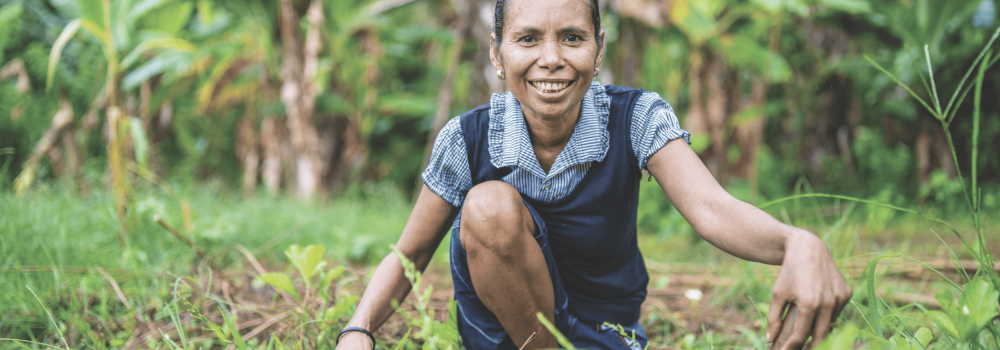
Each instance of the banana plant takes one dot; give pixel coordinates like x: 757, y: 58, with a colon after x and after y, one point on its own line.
x: 121, y: 27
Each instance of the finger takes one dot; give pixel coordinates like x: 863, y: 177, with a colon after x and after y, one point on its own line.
x: 800, y: 332
x: 822, y: 327
x: 774, y: 317
x: 842, y: 301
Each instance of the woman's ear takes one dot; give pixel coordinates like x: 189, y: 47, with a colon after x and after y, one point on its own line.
x: 600, y: 50
x: 495, y: 53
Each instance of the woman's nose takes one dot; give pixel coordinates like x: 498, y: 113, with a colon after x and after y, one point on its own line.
x: 551, y: 57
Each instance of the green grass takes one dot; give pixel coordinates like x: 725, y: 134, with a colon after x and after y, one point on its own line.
x: 57, y: 242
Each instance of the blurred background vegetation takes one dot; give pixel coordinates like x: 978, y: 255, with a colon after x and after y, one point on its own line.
x: 311, y: 97
x: 248, y: 123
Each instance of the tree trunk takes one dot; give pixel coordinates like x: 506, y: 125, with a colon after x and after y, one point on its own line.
x: 271, y: 141
x: 715, y: 115
x: 60, y: 120
x: 461, y: 31
x: 299, y: 94
x: 248, y: 152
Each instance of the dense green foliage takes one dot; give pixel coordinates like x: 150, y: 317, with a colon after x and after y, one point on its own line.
x: 886, y: 106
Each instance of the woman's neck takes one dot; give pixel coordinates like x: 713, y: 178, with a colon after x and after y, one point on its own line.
x: 549, y: 134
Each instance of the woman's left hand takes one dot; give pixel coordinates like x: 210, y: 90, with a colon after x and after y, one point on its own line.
x: 810, y: 280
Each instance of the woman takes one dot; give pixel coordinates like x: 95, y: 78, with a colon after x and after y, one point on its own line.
x: 540, y: 189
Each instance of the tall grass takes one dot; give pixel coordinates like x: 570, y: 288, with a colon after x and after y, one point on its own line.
x: 57, y: 243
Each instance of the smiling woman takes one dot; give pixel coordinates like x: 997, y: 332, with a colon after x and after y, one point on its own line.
x: 540, y: 189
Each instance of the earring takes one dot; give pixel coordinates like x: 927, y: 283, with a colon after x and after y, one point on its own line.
x: 597, y: 71
x: 500, y: 75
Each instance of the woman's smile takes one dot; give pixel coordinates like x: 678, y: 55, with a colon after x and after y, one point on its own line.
x: 551, y: 89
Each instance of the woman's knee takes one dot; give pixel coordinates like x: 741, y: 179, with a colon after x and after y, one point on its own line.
x: 494, y: 217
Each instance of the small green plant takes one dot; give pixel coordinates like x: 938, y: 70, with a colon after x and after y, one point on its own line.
x: 317, y: 308
x: 434, y: 334
x: 964, y: 320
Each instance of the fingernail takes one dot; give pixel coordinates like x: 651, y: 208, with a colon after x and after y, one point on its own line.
x: 767, y: 336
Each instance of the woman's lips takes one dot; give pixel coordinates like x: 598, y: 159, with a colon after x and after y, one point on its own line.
x: 551, y: 87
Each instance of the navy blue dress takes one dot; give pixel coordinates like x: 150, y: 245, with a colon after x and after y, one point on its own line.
x: 588, y: 239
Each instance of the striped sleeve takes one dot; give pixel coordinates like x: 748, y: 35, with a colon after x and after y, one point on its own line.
x: 447, y: 172
x: 653, y: 125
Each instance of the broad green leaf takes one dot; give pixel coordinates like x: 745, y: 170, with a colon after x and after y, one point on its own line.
x: 976, y: 307
x: 695, y: 18
x: 142, y: 8
x: 944, y: 322
x: 281, y: 281
x: 92, y: 10
x: 923, y: 336
x: 140, y: 141
x: 308, y: 260
x: 57, y: 48
x: 841, y: 338
x: 208, y: 88
x: 205, y: 12
x: 744, y: 51
x: 797, y: 7
x: 144, y: 72
x: 849, y: 6
x: 157, y: 43
x: 169, y: 18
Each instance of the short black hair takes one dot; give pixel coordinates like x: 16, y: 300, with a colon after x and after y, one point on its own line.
x: 500, y: 13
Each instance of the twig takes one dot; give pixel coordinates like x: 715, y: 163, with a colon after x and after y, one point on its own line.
x: 225, y: 294
x: 114, y: 285
x: 532, y: 336
x: 260, y: 270
x: 253, y: 261
x: 266, y: 324
x: 179, y: 236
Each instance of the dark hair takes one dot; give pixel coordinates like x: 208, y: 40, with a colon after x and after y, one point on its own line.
x: 500, y: 13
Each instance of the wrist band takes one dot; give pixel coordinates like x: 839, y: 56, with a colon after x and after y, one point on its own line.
x: 357, y: 329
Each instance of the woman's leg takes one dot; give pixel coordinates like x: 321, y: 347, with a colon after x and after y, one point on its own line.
x: 507, y: 267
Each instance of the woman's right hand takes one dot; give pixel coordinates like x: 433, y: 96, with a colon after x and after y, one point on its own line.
x: 428, y: 223
x: 354, y: 341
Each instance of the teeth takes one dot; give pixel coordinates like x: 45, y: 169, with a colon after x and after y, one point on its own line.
x: 548, y: 86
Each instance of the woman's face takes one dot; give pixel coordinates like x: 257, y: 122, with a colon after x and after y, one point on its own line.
x: 548, y: 53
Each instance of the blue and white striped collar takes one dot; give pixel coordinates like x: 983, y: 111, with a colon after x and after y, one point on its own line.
x: 510, y: 144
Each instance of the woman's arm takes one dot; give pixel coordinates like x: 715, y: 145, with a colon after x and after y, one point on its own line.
x: 808, y: 278
x: 431, y: 218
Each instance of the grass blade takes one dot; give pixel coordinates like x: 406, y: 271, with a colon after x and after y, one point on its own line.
x: 19, y: 341
x: 954, y: 258
x: 900, y: 83
x: 977, y: 100
x: 968, y: 73
x: 930, y: 73
x: 67, y: 33
x: 555, y: 332
x: 866, y: 201
x: 49, y: 314
x: 873, y: 298
x: 920, y: 72
x: 240, y: 343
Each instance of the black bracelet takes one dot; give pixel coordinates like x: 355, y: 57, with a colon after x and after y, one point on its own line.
x: 357, y: 329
